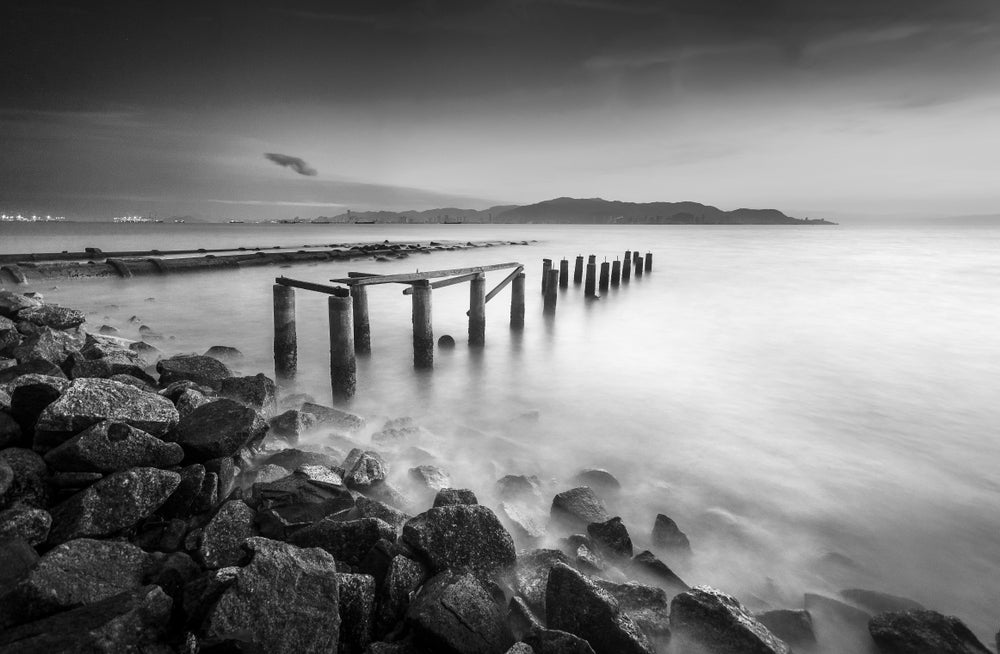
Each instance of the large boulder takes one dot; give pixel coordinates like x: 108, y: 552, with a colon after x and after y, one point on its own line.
x: 284, y: 601
x: 114, y: 503
x: 531, y: 576
x: 33, y: 367
x: 223, y: 537
x: 575, y: 604
x: 291, y: 424
x: 453, y: 496
x: 364, y: 468
x: 26, y: 480
x: 201, y: 370
x: 258, y: 392
x: 347, y: 541
x: 667, y: 535
x: 112, y: 446
x: 461, y: 537
x: 576, y: 508
x: 923, y: 632
x: 878, y: 602
x: 30, y: 394
x: 402, y: 579
x: 25, y: 522
x: 793, y: 627
x: 12, y: 303
x: 53, y: 316
x: 295, y: 502
x: 646, y: 567
x: 219, y: 429
x: 86, y: 402
x: 357, y: 612
x: 51, y: 345
x: 457, y: 614
x: 334, y: 418
x: 646, y: 605
x: 720, y: 623
x: 553, y: 641
x: 611, y: 538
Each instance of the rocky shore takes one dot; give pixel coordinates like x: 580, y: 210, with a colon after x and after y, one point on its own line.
x: 153, y: 503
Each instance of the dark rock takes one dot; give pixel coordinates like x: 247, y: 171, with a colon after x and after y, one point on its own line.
x: 173, y: 572
x: 520, y: 618
x: 457, y: 614
x: 89, y: 401
x: 647, y: 567
x: 117, y: 502
x: 402, y: 579
x: 646, y: 605
x: 397, y: 432
x: 33, y: 367
x: 6, y: 479
x: 150, y: 353
x: 223, y: 468
x: 224, y: 353
x: 520, y: 648
x: 923, y: 632
x: 461, y: 537
x: 611, y: 538
x: 721, y: 624
x: 258, y: 609
x: 291, y: 424
x: 181, y: 501
x: 446, y: 342
x: 26, y: 485
x: 362, y: 469
x: 108, y: 329
x: 431, y: 477
x: 158, y: 534
x: 357, y: 612
x: 553, y: 641
x: 598, y: 479
x: 53, y: 346
x: 531, y: 577
x: 31, y: 525
x: 202, y: 370
x: 347, y: 541
x: 793, y: 627
x: 82, y: 571
x: 113, y: 446
x: 30, y: 395
x: 188, y: 401
x: 142, y: 384
x: 295, y: 502
x: 576, y: 508
x: 72, y: 481
x: 519, y: 488
x: 208, y: 497
x: 134, y: 621
x: 258, y: 392
x: 19, y: 558
x: 10, y: 431
x: 335, y: 418
x: 584, y: 554
x: 12, y: 303
x: 877, y: 602
x: 219, y: 429
x: 839, y: 611
x: 365, y: 507
x: 667, y: 534
x: 574, y: 604
x: 223, y: 537
x: 292, y: 459
x: 264, y: 474
x: 52, y: 315
x: 454, y: 496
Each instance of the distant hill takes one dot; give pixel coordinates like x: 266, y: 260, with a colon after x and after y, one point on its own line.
x: 592, y: 211
x: 984, y: 220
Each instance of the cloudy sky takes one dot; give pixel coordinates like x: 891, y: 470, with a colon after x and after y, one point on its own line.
x: 250, y: 109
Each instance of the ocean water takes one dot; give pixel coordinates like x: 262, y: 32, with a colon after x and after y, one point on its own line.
x: 784, y: 393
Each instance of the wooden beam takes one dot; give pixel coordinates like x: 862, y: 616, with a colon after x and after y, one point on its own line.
x: 310, y: 286
x: 445, y: 282
x: 418, y: 276
x: 507, y: 280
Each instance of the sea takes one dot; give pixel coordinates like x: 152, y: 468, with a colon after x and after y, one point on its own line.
x: 817, y: 407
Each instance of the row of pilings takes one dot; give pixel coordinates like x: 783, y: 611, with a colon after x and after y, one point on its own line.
x: 613, y: 273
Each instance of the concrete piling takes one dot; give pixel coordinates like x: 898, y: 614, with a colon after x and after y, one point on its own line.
x: 477, y: 310
x: 343, y: 365
x: 564, y: 274
x: 285, y: 347
x: 578, y: 270
x: 423, y: 332
x: 362, y: 326
x: 605, y: 277
x: 517, y: 302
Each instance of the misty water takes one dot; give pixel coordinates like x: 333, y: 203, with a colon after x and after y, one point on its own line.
x: 783, y: 393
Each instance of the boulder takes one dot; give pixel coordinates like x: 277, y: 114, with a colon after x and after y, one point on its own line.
x: 431, y: 477
x: 525, y: 522
x: 365, y: 507
x: 224, y: 353
x: 454, y: 496
x: 461, y: 537
x: 457, y: 614
x: 520, y: 618
x: 721, y: 624
x: 19, y: 559
x: 402, y: 579
x: 10, y: 431
x: 29, y: 395
x: 397, y: 432
x: 224, y: 468
x: 598, y: 479
x: 219, y: 429
x: 348, y: 541
x: 648, y: 607
x: 877, y: 602
x: 181, y: 502
x: 31, y: 525
x: 292, y: 459
x: 667, y: 535
x: 576, y: 508
x: 33, y: 367
x: 188, y: 401
x: 284, y: 601
x: 51, y: 345
x: 150, y: 353
x: 264, y: 474
x: 575, y: 604
x: 291, y: 424
x: 553, y: 641
x: 53, y: 316
x: 584, y: 554
x: 201, y: 370
x: 86, y: 402
x: 26, y: 480
x: 6, y: 479
x: 334, y: 418
x: 223, y: 537
x: 923, y: 632
x: 12, y: 303
x: 294, y: 502
x: 793, y: 627
x: 531, y: 577
x: 258, y: 392
x: 611, y: 538
x: 112, y: 446
x: 363, y: 469
x: 357, y: 612
x: 116, y: 502
x: 519, y: 488
x: 520, y: 648
x: 645, y: 566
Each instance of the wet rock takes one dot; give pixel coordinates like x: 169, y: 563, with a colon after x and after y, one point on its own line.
x: 366, y: 507
x: 461, y: 537
x: 89, y: 401
x: 112, y: 446
x: 839, y: 611
x: 12, y: 303
x: 877, y: 602
x: 209, y: 495
x: 793, y: 627
x: 513, y: 488
x: 224, y: 353
x: 584, y: 554
x: 26, y: 485
x: 188, y: 401
x: 31, y: 525
x: 362, y: 469
x: 225, y: 470
x: 431, y: 477
x: 667, y: 535
x: 10, y: 431
x: 53, y: 316
x: 258, y: 609
x: 201, y: 370
x: 181, y: 501
x: 48, y: 344
x: 454, y: 496
x: 19, y: 559
x: 258, y: 392
x: 446, y: 342
x: 357, y: 612
x: 293, y: 459
x: 294, y: 502
x: 576, y: 605
x: 150, y: 353
x: 322, y: 474
x: 598, y: 479
x: 334, y: 418
x: 611, y: 538
x: 291, y: 424
x: 348, y: 541
x: 402, y: 579
x: 553, y: 641
x: 647, y: 606
x: 134, y: 621
x: 923, y: 632
x: 520, y: 648
x: 158, y: 534
x: 142, y: 384
x: 72, y: 481
x: 531, y: 577
x: 173, y: 572
x: 223, y: 537
x: 526, y: 523
x: 266, y: 474
x: 647, y: 567
x: 29, y: 395
x: 576, y: 508
x: 458, y: 614
x: 397, y: 432
x: 721, y: 624
x: 117, y: 502
x: 33, y: 367
x: 6, y: 480
x: 219, y: 429
x: 520, y: 618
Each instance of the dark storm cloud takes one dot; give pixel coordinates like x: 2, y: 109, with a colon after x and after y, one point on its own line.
x: 295, y: 163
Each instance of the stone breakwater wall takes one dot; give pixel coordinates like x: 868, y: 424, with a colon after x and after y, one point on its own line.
x: 170, y: 504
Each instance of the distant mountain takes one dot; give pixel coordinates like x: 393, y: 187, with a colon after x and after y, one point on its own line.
x: 592, y: 211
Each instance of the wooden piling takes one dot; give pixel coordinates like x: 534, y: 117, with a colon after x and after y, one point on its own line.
x: 477, y: 311
x: 551, y: 293
x: 285, y: 348
x: 627, y: 267
x: 649, y: 262
x: 517, y: 302
x: 589, y: 287
x: 616, y: 272
x: 343, y: 365
x: 638, y: 264
x: 578, y: 270
x: 423, y: 332
x: 564, y: 274
x: 546, y: 267
x: 362, y: 326
x: 605, y: 275
x: 592, y: 259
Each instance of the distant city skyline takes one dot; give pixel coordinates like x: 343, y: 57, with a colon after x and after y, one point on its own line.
x: 250, y: 110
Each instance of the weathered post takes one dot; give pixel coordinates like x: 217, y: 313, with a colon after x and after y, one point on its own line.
x: 578, y: 270
x: 285, y: 348
x: 546, y: 267
x: 605, y: 274
x: 551, y: 293
x: 589, y: 286
x: 616, y: 272
x: 564, y: 273
x: 477, y: 310
x: 343, y: 366
x: 649, y: 262
x: 638, y: 263
x: 423, y: 333
x: 362, y: 327
x: 517, y: 302
x: 627, y: 267
x: 592, y: 258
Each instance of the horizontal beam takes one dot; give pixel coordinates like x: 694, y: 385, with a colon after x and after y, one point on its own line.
x: 310, y: 286
x: 446, y: 282
x: 417, y: 276
x: 507, y: 280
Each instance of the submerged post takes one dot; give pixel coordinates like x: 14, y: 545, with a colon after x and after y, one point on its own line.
x: 589, y: 287
x: 603, y: 285
x: 423, y: 333
x: 551, y: 293
x: 285, y: 347
x: 616, y: 272
x: 517, y: 302
x: 563, y: 273
x: 362, y: 328
x: 343, y: 366
x: 649, y: 262
x: 477, y: 311
x: 627, y: 266
x: 578, y: 270
x: 546, y: 267
x: 638, y: 264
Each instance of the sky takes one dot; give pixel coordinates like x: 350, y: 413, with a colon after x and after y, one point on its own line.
x: 252, y: 110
